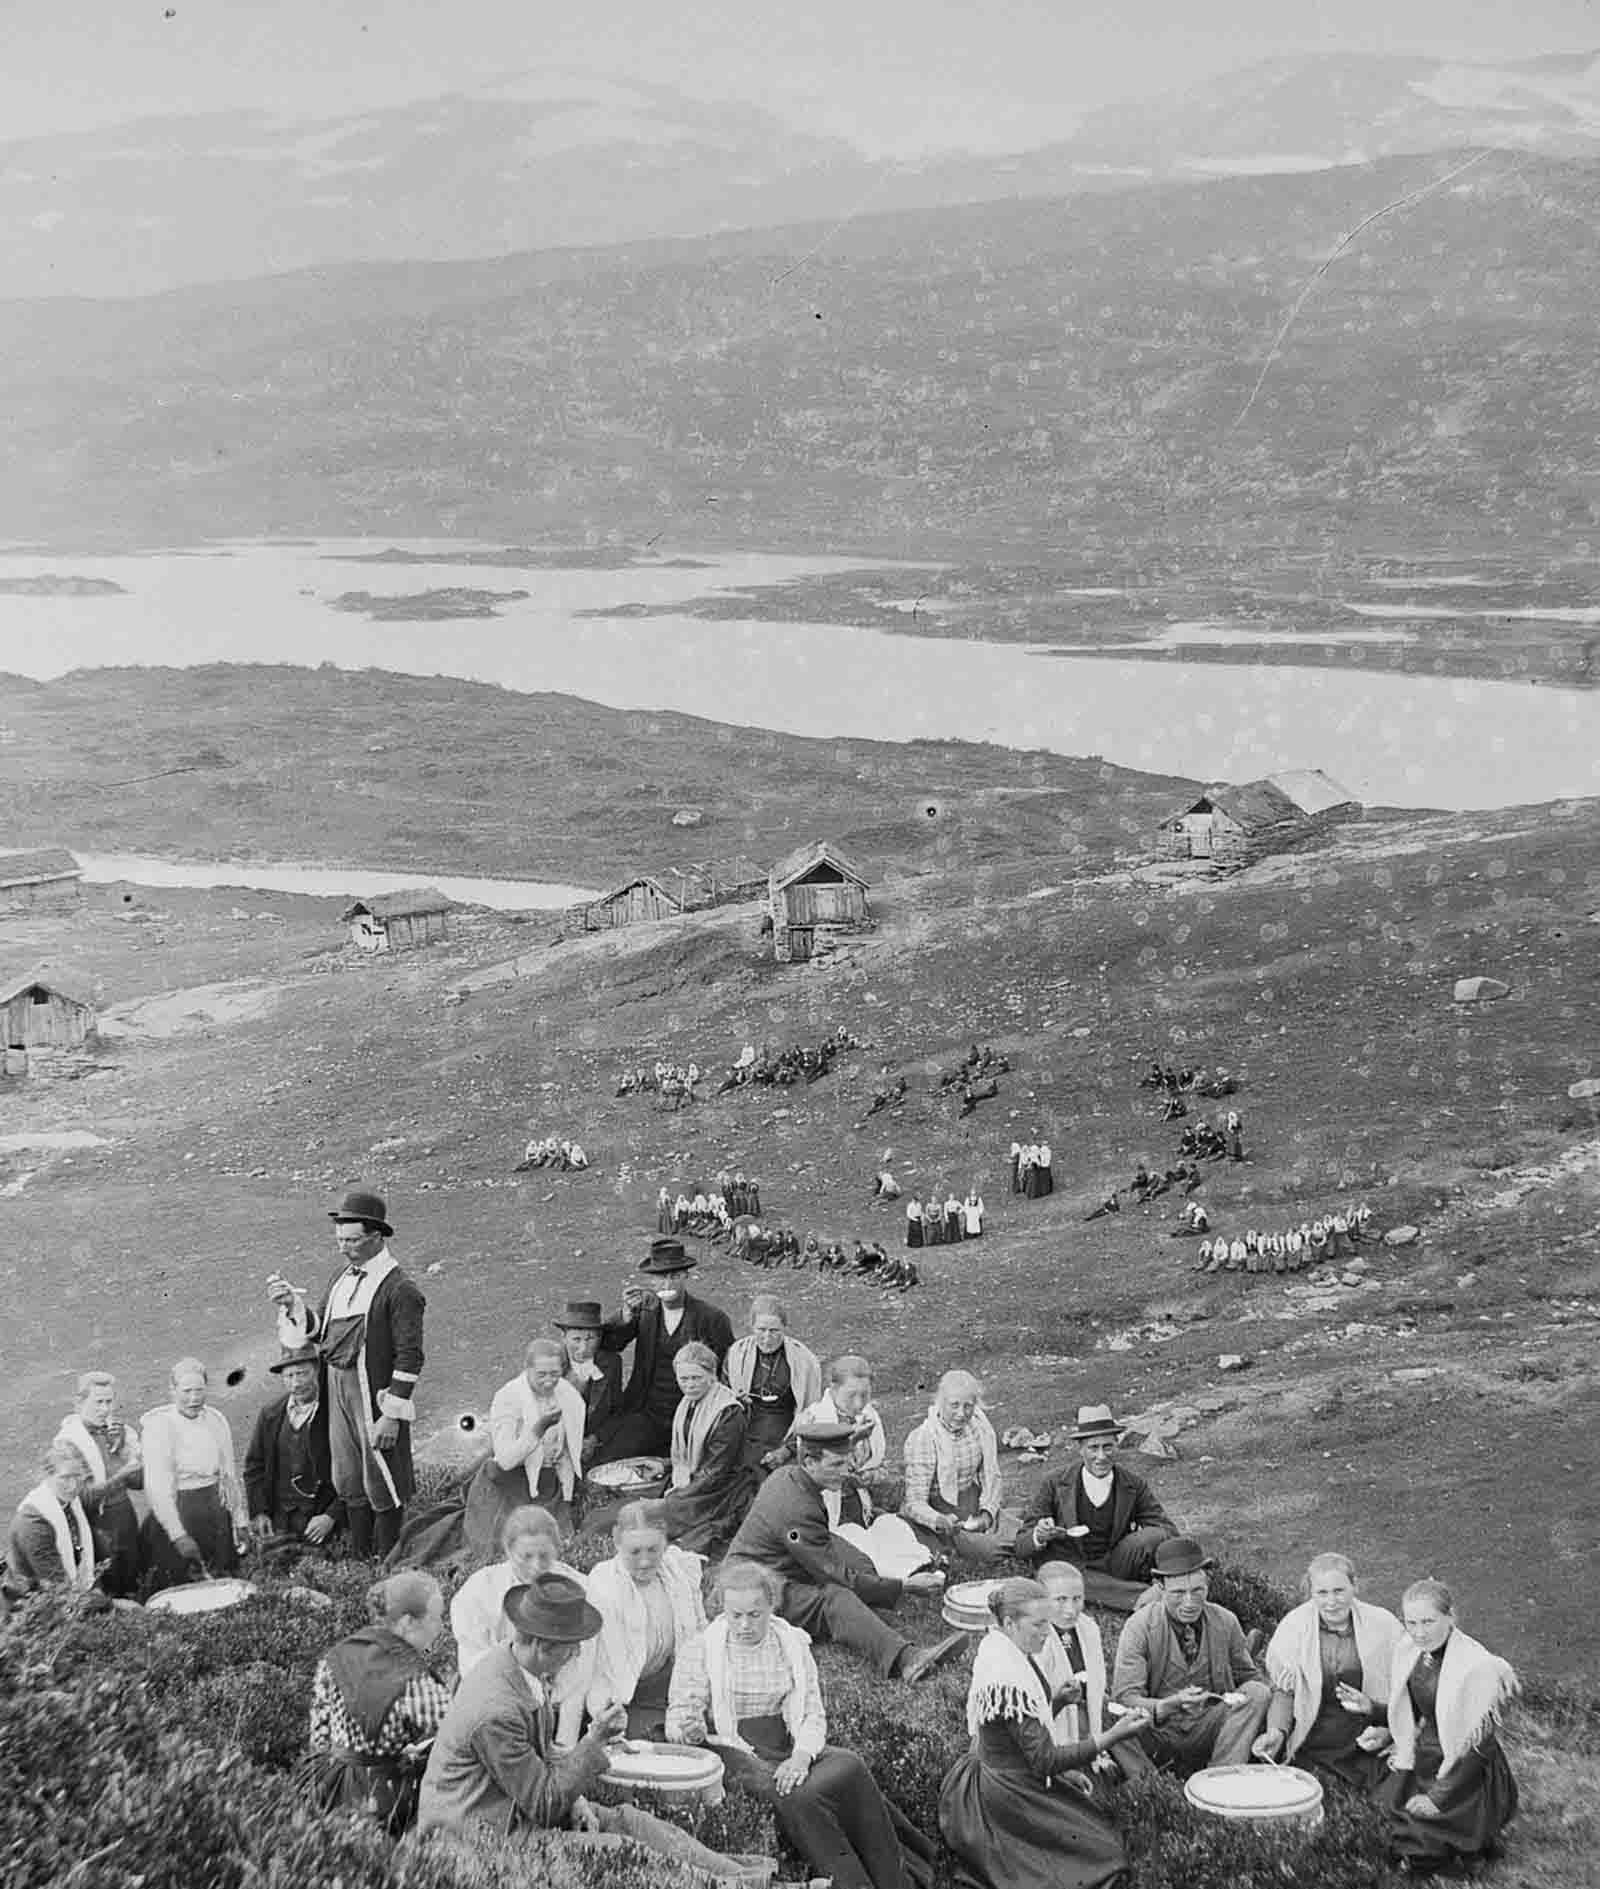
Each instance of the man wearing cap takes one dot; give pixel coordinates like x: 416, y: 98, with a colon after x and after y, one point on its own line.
x: 288, y: 1468
x: 594, y: 1374
x: 658, y: 1325
x: 1099, y: 1514
x: 494, y: 1773
x: 829, y: 1587
x: 368, y: 1331
x: 1184, y: 1660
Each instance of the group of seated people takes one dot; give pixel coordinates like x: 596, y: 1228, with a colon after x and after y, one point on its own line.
x: 1213, y: 1141
x: 1312, y: 1243
x: 1162, y: 1075
x: 783, y: 1246
x: 1030, y: 1169
x: 552, y: 1153
x: 675, y: 1082
x: 800, y: 1062
x: 943, y: 1219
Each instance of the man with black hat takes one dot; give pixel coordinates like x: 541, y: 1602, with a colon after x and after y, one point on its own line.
x: 658, y: 1325
x: 1100, y: 1515
x: 829, y: 1587
x: 494, y: 1771
x: 288, y: 1468
x: 1185, y: 1661
x: 367, y: 1329
x: 594, y: 1374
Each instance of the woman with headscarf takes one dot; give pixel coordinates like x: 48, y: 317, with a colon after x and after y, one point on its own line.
x: 748, y: 1687
x: 1329, y: 1662
x: 530, y: 1545
x: 116, y: 1467
x: 650, y: 1606
x: 376, y: 1705
x: 1017, y: 1810
x: 1449, y: 1792
x: 198, y: 1521
x: 51, y: 1544
x: 711, y: 1485
x: 775, y: 1375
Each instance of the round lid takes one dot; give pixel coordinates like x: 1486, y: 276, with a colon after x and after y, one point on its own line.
x: 1253, y: 1787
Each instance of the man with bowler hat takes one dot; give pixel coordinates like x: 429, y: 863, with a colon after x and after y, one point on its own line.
x: 1100, y: 1515
x: 594, y: 1374
x: 288, y: 1468
x: 830, y: 1588
x: 367, y: 1328
x: 1185, y: 1661
x: 494, y: 1771
x: 658, y: 1325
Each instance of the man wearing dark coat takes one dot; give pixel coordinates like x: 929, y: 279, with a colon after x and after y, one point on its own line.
x: 830, y: 1588
x: 1100, y: 1515
x: 367, y: 1329
x: 288, y: 1468
x: 658, y: 1325
x: 595, y: 1374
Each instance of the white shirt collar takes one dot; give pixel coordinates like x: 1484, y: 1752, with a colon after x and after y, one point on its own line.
x: 1098, y: 1488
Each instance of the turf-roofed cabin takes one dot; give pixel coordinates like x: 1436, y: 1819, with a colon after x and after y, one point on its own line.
x: 1235, y: 825
x: 48, y: 879
x: 398, y: 921
x: 814, y: 894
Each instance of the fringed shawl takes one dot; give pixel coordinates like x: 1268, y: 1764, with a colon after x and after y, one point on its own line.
x: 1475, y: 1686
x: 692, y: 1424
x: 1006, y: 1684
x: 1294, y: 1660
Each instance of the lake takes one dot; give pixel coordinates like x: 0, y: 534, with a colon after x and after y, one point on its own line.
x: 330, y: 882
x: 1392, y: 739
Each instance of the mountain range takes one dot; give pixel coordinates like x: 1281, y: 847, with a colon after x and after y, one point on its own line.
x: 562, y: 158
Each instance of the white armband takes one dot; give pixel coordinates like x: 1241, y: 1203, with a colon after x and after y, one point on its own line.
x: 400, y: 1408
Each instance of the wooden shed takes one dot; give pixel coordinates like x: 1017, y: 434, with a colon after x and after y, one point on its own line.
x: 811, y: 893
x: 673, y: 890
x: 41, y: 1017
x: 398, y: 921
x: 1234, y: 825
x: 633, y: 903
x: 49, y: 879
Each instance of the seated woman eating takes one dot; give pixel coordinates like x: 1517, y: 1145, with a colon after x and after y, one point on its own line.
x: 648, y: 1599
x: 1328, y: 1664
x: 1449, y: 1792
x: 375, y: 1705
x: 998, y: 1812
x: 711, y: 1484
x: 748, y: 1686
x: 530, y: 1544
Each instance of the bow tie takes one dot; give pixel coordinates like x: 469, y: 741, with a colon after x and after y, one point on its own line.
x: 98, y: 1429
x: 356, y: 1272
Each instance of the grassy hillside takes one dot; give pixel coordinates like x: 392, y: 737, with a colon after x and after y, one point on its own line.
x: 1066, y: 374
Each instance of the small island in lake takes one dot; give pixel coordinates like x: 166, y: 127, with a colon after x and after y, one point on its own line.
x: 50, y: 585
x: 427, y: 606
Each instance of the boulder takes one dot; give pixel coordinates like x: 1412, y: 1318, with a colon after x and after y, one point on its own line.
x: 1480, y: 990
x: 1584, y: 1091
x: 1402, y: 1236
x: 1233, y: 1361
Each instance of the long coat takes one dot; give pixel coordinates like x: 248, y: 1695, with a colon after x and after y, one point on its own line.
x: 1133, y: 1506
x: 261, y: 1462
x: 392, y: 1348
x: 703, y: 1322
x: 787, y: 1529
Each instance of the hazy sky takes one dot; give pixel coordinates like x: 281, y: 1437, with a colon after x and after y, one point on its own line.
x: 891, y: 74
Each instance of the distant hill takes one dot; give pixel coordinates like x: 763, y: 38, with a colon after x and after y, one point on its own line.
x: 568, y: 158
x: 1066, y: 372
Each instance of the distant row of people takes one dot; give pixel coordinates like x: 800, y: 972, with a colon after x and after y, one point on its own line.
x: 785, y: 1067
x: 675, y: 1083
x: 1164, y: 1076
x: 1030, y: 1169
x: 1311, y: 1243
x: 944, y: 1219
x: 566, y: 1156
x: 708, y: 1213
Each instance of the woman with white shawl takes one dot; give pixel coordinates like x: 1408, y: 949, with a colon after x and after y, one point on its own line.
x: 1449, y: 1792
x: 748, y: 1686
x: 711, y: 1484
x: 116, y: 1468
x: 650, y: 1606
x: 774, y: 1376
x: 50, y: 1544
x: 1329, y: 1663
x: 536, y: 1424
x: 1016, y: 1811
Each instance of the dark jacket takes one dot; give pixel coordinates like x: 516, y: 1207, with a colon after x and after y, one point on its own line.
x: 1150, y: 1664
x: 787, y: 1529
x: 393, y: 1346
x: 704, y: 1323
x: 602, y: 1396
x: 261, y: 1462
x: 1133, y: 1506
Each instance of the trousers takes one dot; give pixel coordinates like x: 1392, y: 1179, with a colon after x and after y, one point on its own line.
x: 835, y: 1613
x: 359, y: 1472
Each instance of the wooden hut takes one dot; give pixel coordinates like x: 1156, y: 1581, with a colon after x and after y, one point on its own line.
x: 398, y: 921
x: 42, y: 1019
x: 633, y: 903
x: 1235, y: 825
x: 813, y: 893
x: 47, y: 880
x: 672, y: 891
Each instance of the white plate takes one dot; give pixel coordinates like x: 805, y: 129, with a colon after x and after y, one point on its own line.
x: 200, y: 1597
x: 632, y: 1472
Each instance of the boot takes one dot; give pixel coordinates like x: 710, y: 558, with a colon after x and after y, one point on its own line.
x: 386, y: 1531
x: 358, y: 1519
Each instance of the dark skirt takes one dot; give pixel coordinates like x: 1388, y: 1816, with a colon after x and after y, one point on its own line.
x: 1471, y: 1820
x: 913, y: 1232
x: 118, y: 1542
x: 210, y: 1526
x: 1009, y: 1830
x: 766, y: 1428
x: 384, y: 1789
x: 494, y: 1492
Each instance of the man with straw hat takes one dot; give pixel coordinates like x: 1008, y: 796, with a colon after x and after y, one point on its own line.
x: 495, y: 1773
x: 367, y: 1329
x: 658, y: 1323
x: 1100, y: 1515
